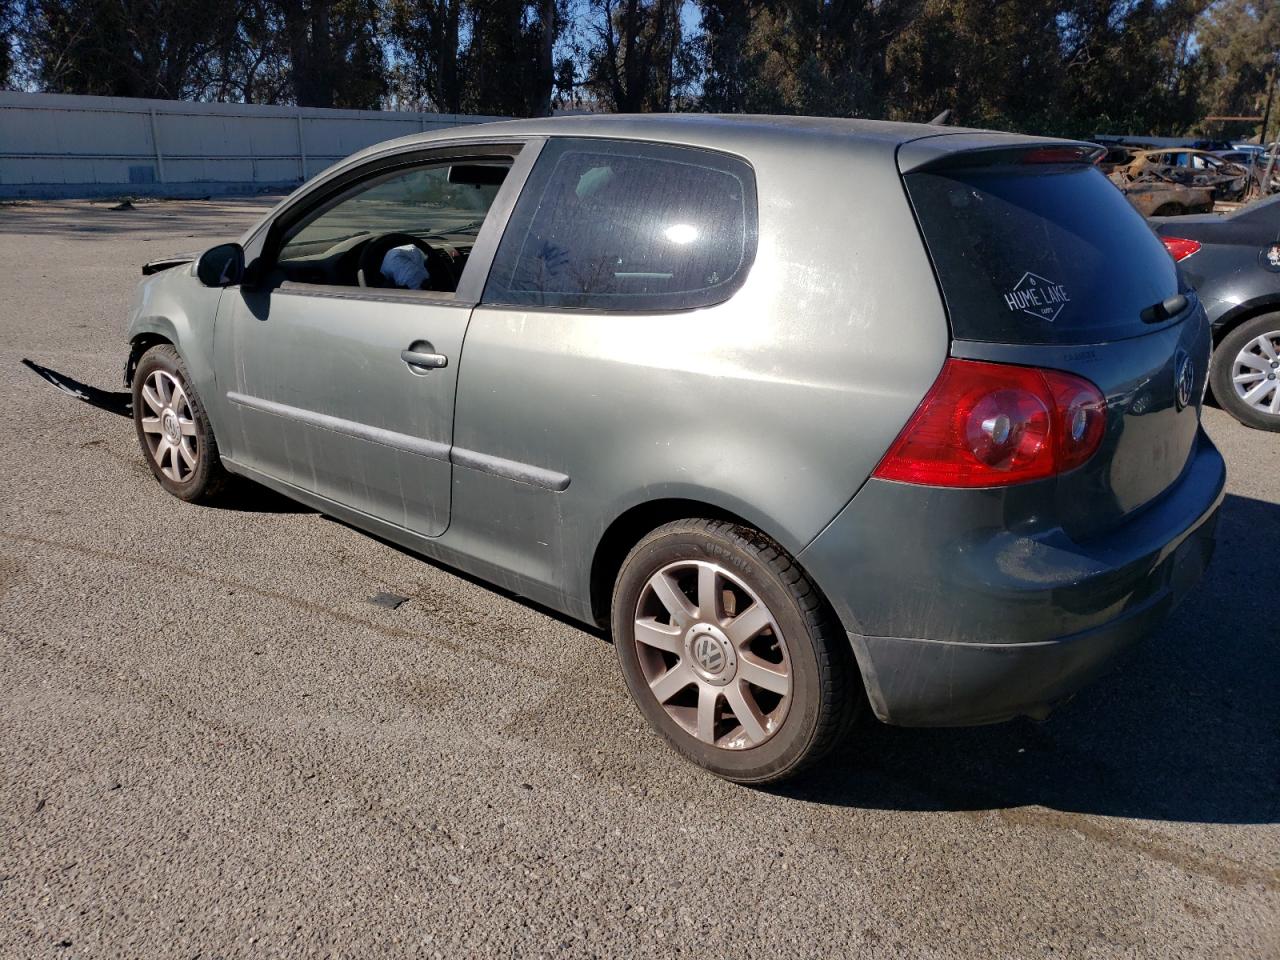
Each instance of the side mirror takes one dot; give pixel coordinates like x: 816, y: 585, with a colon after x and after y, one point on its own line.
x: 221, y: 266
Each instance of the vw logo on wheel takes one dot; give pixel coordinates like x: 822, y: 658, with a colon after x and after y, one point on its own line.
x: 1185, y: 381
x: 708, y: 653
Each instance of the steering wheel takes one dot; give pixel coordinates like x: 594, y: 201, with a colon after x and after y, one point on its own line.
x: 443, y: 275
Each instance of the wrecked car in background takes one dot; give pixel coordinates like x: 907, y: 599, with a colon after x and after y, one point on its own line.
x: 1196, y: 169
x: 1160, y: 198
x: 1150, y: 194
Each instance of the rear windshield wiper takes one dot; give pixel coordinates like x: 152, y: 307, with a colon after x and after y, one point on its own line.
x: 1169, y: 307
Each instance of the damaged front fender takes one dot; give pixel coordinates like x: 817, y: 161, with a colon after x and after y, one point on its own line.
x: 172, y: 306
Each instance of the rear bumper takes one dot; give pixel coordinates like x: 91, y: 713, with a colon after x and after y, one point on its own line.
x: 941, y: 683
x: 954, y: 628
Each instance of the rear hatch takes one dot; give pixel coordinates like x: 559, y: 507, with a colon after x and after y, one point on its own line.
x: 1041, y: 261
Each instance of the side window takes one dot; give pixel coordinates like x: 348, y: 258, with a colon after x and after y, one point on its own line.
x: 620, y: 225
x: 412, y: 229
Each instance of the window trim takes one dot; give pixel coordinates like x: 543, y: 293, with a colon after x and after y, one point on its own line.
x: 722, y: 293
x: 522, y: 152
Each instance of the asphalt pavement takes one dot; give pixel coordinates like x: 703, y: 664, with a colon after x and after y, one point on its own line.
x: 213, y: 744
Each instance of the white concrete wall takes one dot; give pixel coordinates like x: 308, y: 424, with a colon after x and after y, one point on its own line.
x: 53, y: 145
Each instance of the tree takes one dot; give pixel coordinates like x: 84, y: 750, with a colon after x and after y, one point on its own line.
x: 1065, y: 67
x: 477, y: 56
x: 168, y: 49
x: 1130, y: 66
x: 945, y: 58
x: 249, y: 64
x: 795, y: 56
x: 638, y: 60
x: 1241, y: 44
x: 1071, y: 67
x: 428, y: 33
x: 335, y: 52
x: 127, y: 48
x: 507, y: 61
x: 7, y: 53
x: 731, y: 64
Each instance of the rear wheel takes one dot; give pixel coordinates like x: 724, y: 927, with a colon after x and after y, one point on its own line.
x: 730, y: 652
x: 1246, y: 372
x: 173, y: 429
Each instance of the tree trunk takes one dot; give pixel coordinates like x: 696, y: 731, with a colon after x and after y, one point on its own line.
x: 630, y: 89
x: 452, y: 89
x: 307, y: 27
x: 541, y: 104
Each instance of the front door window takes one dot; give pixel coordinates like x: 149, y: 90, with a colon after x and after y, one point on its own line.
x: 411, y: 229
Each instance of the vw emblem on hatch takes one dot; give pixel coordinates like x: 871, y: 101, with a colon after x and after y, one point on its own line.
x: 708, y: 654
x: 1184, y: 380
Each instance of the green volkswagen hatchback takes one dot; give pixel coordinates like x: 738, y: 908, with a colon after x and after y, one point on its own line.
x: 810, y: 414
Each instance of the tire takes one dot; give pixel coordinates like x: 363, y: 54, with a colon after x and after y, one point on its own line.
x: 1169, y: 210
x: 196, y: 475
x: 1243, y: 352
x: 675, y: 664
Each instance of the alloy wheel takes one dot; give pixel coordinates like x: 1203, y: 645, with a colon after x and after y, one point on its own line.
x: 1255, y: 373
x: 713, y: 655
x: 169, y: 426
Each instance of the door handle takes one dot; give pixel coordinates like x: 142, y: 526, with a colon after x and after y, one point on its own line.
x: 424, y: 361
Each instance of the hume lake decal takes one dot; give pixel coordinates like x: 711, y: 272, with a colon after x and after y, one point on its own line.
x: 1041, y: 298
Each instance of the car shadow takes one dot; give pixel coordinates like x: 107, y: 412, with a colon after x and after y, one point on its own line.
x: 461, y: 574
x: 1187, y: 728
x: 549, y: 612
x: 242, y: 495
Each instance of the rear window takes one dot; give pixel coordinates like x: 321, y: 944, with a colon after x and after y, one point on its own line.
x: 1040, y: 255
x: 612, y: 225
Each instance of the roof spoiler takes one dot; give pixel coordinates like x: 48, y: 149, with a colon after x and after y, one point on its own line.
x: 946, y: 151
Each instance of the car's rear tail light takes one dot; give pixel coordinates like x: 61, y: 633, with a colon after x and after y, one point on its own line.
x: 993, y: 424
x: 1081, y: 412
x: 1180, y: 248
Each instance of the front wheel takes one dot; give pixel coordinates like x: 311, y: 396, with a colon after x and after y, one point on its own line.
x: 1246, y: 372
x: 730, y: 652
x: 173, y: 429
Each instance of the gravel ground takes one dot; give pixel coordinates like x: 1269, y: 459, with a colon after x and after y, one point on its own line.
x: 212, y: 744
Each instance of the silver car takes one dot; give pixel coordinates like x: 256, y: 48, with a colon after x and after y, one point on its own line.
x: 811, y: 414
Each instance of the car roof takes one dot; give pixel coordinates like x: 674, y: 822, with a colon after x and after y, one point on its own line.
x: 737, y: 133
x: 708, y: 127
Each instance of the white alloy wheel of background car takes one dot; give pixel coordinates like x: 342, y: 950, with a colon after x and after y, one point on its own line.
x: 1246, y: 372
